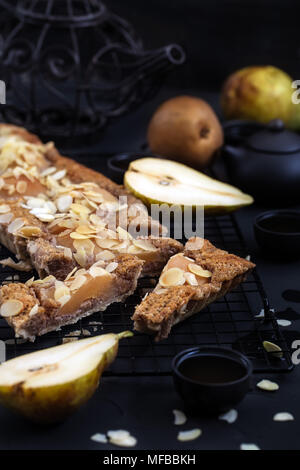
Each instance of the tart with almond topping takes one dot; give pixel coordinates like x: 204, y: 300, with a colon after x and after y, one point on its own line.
x: 188, y: 283
x: 40, y: 306
x: 56, y: 214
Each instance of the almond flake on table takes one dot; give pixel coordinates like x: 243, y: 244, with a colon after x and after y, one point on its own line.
x: 230, y: 416
x: 267, y: 385
x: 121, y: 438
x: 98, y: 437
x: 189, y: 435
x: 249, y: 447
x: 179, y: 417
x: 283, y: 322
x: 283, y: 416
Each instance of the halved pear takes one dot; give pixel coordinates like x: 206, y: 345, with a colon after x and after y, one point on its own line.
x: 158, y: 181
x: 48, y: 385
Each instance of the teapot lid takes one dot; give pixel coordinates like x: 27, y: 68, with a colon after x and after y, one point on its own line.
x: 274, y: 138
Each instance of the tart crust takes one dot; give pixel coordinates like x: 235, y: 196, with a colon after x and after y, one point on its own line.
x: 167, y: 306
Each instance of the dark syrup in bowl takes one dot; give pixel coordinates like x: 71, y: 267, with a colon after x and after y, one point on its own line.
x: 211, y: 369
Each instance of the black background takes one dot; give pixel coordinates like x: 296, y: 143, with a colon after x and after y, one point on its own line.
x: 219, y: 37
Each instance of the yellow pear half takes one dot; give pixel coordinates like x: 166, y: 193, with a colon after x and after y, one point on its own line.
x: 159, y: 181
x: 48, y: 385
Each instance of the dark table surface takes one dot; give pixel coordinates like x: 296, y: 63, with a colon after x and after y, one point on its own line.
x: 143, y: 405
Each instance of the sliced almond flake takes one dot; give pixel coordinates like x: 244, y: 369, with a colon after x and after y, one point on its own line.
x: 249, y: 447
x: 61, y: 291
x: 98, y: 437
x: 283, y: 322
x: 273, y: 348
x: 34, y: 310
x: 122, y: 247
x: 35, y: 202
x: 68, y: 252
x: 179, y: 417
x: 87, y: 245
x: 86, y: 332
x: 79, y: 209
x: 96, y: 271
x: 196, y: 269
x: 160, y: 290
x: 48, y: 171
x: 51, y: 207
x: 63, y: 203
x: 111, y: 267
x: 6, y: 218
x: 190, y: 435
x: 106, y: 243
x: 78, y: 236
x: 172, y: 277
x: 267, y: 385
x: 105, y: 255
x: 59, y: 174
x: 110, y: 206
x: 145, y: 245
x: 10, y: 308
x: 134, y: 250
x: 29, y: 282
x: 85, y: 230
x: 121, y: 438
x: 283, y: 416
x: 15, y: 225
x: 71, y: 273
x: 96, y: 220
x: 230, y: 416
x: 44, y: 217
x: 123, y: 234
x: 4, y: 208
x: 80, y: 257
x: 191, y: 279
x: 78, y: 282
x: 29, y: 231
x: 21, y: 187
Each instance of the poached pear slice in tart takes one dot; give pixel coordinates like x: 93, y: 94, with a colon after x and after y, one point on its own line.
x: 159, y: 181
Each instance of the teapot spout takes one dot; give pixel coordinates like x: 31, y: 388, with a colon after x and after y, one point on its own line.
x: 233, y: 151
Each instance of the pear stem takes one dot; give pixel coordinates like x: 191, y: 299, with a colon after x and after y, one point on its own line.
x: 124, y: 334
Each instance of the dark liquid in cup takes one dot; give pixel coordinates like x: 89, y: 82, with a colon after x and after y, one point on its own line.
x: 212, y: 369
x: 282, y: 224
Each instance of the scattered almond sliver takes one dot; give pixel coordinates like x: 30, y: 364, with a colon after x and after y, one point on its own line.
x: 267, y: 385
x: 184, y: 436
x: 98, y: 437
x: 283, y: 416
x: 179, y: 417
x: 34, y: 310
x: 15, y: 225
x: 111, y: 267
x: 191, y: 279
x: 249, y: 447
x: 78, y: 282
x: 121, y: 438
x: 272, y: 348
x: 29, y: 231
x: 172, y: 277
x: 145, y: 245
x: 10, y: 308
x: 196, y: 269
x: 230, y: 416
x: 6, y: 218
x: 96, y: 271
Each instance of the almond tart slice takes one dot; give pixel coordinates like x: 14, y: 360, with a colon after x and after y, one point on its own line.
x: 48, y: 202
x: 189, y: 282
x: 40, y: 306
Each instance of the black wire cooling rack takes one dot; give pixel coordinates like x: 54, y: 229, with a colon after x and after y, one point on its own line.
x: 229, y: 322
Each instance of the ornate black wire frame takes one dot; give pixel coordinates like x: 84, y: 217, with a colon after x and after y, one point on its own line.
x: 83, y: 94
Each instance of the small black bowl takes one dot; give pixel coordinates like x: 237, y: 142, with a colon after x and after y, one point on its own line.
x: 277, y: 233
x: 211, y: 380
x: 118, y: 164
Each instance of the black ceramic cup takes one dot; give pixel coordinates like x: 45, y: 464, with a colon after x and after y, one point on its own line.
x: 118, y: 164
x: 277, y: 233
x: 211, y: 380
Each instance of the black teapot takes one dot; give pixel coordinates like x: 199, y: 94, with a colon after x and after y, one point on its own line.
x: 263, y: 160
